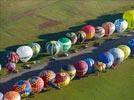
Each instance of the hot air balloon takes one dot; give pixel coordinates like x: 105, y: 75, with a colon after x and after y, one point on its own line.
x: 81, y: 35
x: 65, y: 44
x: 13, y: 57
x: 37, y: 84
x: 109, y: 28
x: 118, y: 55
x: 131, y: 45
x: 120, y: 25
x: 23, y: 87
x: 89, y: 30
x: 90, y: 62
x: 99, y: 66
x: 81, y: 68
x: 25, y: 53
x: 70, y: 69
x: 72, y: 36
x: 12, y: 95
x: 0, y: 67
x: 47, y: 76
x: 53, y: 47
x: 36, y: 49
x: 129, y: 17
x: 99, y: 32
x: 125, y: 49
x: 106, y: 58
x: 10, y: 66
x: 62, y: 79
x: 1, y: 96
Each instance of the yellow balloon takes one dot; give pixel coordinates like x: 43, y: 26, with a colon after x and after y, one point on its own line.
x: 125, y: 49
x: 129, y: 17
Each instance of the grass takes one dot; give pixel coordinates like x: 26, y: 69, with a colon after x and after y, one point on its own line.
x: 19, y: 24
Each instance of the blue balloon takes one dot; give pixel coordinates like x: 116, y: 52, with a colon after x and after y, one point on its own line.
x: 106, y: 58
x: 1, y: 96
x: 131, y: 45
x: 90, y: 63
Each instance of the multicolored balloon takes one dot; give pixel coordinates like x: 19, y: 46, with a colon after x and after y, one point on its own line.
x: 47, y: 76
x: 129, y: 17
x: 62, y: 79
x: 25, y: 53
x: 23, y: 87
x: 53, y: 47
x: 1, y: 96
x: 100, y: 66
x: 106, y: 58
x: 90, y: 62
x: 109, y: 28
x: 120, y: 25
x: 10, y: 66
x: 37, y: 84
x: 72, y: 36
x: 12, y: 95
x: 81, y: 68
x: 126, y: 50
x: 13, y: 57
x: 131, y: 45
x: 65, y: 44
x: 36, y: 49
x: 118, y: 55
x: 81, y: 35
x: 89, y: 30
x: 99, y: 32
x: 70, y: 69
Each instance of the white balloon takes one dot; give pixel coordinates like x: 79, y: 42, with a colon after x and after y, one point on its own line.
x: 25, y: 53
x: 120, y: 25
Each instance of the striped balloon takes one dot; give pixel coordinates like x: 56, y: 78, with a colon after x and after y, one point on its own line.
x: 109, y: 28
x: 81, y: 35
x: 13, y: 57
x: 53, y: 47
x: 100, y: 32
x: 72, y: 36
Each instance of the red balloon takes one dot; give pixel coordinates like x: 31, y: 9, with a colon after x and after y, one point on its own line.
x: 13, y: 57
x: 89, y: 30
x: 81, y: 68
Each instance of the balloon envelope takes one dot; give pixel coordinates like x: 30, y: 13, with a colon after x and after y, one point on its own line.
x: 118, y: 55
x: 120, y: 25
x: 89, y: 30
x: 70, y: 69
x: 1, y: 96
x: 129, y: 17
x: 99, y: 66
x: 23, y: 87
x: 62, y: 79
x: 65, y: 44
x: 72, y: 36
x: 99, y: 32
x: 81, y: 68
x: 47, y: 76
x: 13, y: 57
x: 37, y: 84
x: 12, y: 95
x: 25, y: 53
x: 10, y: 66
x: 36, y: 49
x: 90, y: 62
x: 131, y: 45
x: 109, y: 28
x: 81, y: 35
x: 53, y: 47
x: 106, y: 58
x: 125, y: 49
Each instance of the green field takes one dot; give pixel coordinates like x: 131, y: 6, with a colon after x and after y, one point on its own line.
x: 27, y: 21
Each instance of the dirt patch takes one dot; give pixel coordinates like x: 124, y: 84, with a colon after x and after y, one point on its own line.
x: 49, y: 23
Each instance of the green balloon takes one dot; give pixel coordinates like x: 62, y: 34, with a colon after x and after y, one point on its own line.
x: 65, y: 44
x: 36, y: 49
